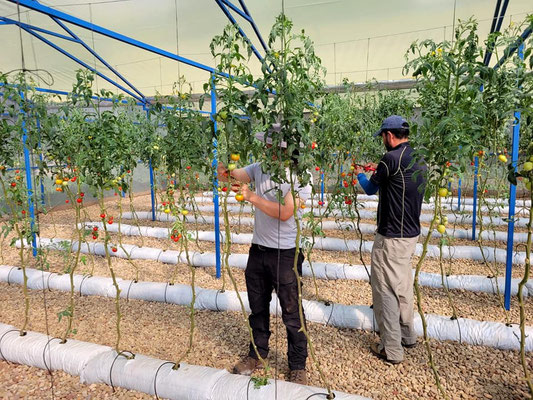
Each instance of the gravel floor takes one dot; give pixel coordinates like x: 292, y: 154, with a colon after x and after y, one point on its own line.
x: 161, y: 330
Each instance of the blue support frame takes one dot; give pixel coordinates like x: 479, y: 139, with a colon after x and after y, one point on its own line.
x: 90, y: 50
x: 29, y: 183
x: 215, y: 180
x: 512, y: 201
x: 222, y: 4
x: 60, y: 17
x: 459, y: 184
x: 474, y: 201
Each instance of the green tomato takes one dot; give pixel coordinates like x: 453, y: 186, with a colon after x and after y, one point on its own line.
x: 232, y: 166
x: 528, y: 166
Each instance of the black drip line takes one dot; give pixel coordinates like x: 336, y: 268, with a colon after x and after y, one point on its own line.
x: 216, y: 299
x: 131, y: 284
x: 157, y: 372
x: 48, y: 368
x: 2, y: 338
x: 9, y: 273
x: 48, y: 280
x: 122, y: 353
x: 166, y: 288
x: 83, y: 280
x: 331, y: 313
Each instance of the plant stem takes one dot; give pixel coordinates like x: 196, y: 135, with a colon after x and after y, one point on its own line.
x: 523, y: 282
x: 110, y: 266
x: 419, y: 304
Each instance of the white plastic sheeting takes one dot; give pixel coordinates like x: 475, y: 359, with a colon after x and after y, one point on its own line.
x: 373, y: 204
x: 367, y: 214
x: 95, y: 363
x: 337, y: 244
x: 519, y: 237
x: 464, y: 200
x: 321, y: 270
x: 492, y: 334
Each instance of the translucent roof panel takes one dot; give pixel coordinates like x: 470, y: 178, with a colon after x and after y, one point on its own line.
x: 357, y: 40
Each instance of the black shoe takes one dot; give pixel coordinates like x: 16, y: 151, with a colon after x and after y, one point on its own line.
x: 410, y: 346
x: 374, y: 348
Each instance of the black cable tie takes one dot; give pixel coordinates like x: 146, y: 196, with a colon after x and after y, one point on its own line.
x: 155, y: 377
x: 122, y: 353
x: 49, y: 368
x: 1, y: 338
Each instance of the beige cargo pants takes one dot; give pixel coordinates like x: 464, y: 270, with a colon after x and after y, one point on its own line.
x: 392, y: 293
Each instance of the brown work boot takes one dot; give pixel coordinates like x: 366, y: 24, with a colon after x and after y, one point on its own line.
x: 247, y: 366
x: 298, y: 376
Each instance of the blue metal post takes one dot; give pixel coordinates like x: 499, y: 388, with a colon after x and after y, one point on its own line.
x: 215, y: 180
x: 474, y: 202
x: 459, y: 194
x: 341, y: 176
x: 152, y: 194
x: 42, y: 183
x: 29, y: 183
x: 41, y: 159
x: 512, y: 201
x: 322, y: 187
x: 151, y: 170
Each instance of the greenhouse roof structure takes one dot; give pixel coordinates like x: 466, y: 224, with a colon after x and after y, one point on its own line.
x: 358, y: 41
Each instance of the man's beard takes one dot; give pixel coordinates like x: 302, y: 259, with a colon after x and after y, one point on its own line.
x: 388, y: 146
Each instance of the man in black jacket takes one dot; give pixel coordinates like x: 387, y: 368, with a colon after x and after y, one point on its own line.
x: 401, y: 192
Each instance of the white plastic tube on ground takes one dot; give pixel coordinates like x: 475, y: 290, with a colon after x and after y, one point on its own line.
x: 368, y: 229
x: 336, y: 244
x: 321, y: 270
x: 366, y: 214
x: 453, y: 200
x: 95, y: 363
x: 495, y: 208
x: 484, y: 333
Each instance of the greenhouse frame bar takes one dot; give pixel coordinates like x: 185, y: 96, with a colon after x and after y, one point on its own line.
x: 60, y: 17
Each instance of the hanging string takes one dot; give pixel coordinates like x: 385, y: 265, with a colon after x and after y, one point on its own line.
x: 177, y: 38
x: 94, y: 58
x: 276, y: 330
